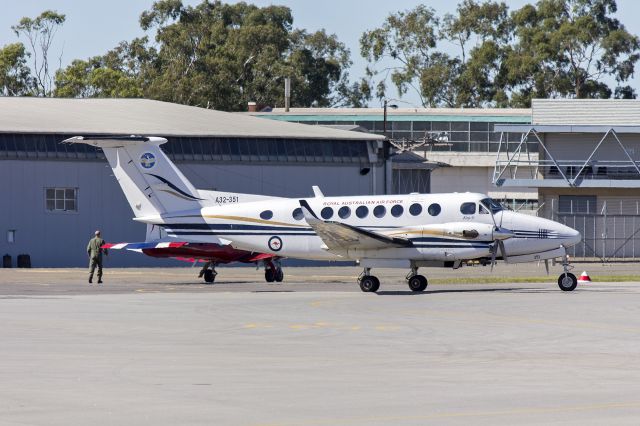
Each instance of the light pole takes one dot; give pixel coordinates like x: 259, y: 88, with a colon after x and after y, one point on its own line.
x: 384, y: 115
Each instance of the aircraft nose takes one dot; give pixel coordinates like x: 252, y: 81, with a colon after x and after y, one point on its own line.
x: 569, y: 236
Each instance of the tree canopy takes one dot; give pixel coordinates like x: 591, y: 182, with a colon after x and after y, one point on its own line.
x: 40, y: 32
x: 222, y: 56
x: 553, y: 48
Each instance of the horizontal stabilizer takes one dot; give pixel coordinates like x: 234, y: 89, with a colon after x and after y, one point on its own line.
x: 142, y: 246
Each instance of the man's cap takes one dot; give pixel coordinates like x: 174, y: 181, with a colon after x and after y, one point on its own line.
x: 98, y: 232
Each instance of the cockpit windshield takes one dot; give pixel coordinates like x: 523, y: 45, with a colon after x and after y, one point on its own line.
x: 492, y: 205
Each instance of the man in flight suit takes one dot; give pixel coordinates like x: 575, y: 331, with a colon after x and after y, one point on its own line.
x: 95, y: 252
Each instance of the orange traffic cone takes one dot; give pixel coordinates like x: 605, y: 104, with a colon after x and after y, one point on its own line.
x: 584, y: 278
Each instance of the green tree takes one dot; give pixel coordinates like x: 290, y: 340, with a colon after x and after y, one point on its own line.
x: 224, y: 55
x: 566, y: 48
x: 555, y: 48
x: 40, y: 32
x: 318, y: 64
x: 120, y: 73
x: 408, y: 40
x: 15, y: 75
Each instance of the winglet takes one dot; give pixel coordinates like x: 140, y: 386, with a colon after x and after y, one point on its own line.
x: 317, y: 192
x: 308, y: 213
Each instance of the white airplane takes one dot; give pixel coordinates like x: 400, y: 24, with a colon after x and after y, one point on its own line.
x: 409, y: 231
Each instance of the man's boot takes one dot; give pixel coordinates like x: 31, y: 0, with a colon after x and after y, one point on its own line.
x: 90, y: 279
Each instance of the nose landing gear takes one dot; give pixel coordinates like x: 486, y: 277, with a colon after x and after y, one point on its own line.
x: 567, y: 281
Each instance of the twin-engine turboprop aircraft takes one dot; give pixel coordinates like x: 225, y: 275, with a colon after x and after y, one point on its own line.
x: 411, y: 231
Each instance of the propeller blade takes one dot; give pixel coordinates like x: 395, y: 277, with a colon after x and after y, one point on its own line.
x: 494, y: 250
x: 503, y: 252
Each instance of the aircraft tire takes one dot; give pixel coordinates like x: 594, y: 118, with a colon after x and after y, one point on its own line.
x: 279, y: 275
x: 418, y: 283
x: 209, y: 276
x: 369, y: 284
x: 269, y: 275
x: 568, y: 282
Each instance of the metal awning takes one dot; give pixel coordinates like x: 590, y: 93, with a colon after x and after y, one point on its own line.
x: 564, y: 128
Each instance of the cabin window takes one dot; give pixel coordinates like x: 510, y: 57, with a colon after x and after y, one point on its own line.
x: 362, y: 212
x: 344, y: 212
x: 492, y: 205
x: 468, y: 208
x: 379, y: 211
x: 297, y: 214
x: 482, y: 209
x: 415, y: 209
x: 397, y: 210
x: 434, y: 209
x: 326, y: 213
x: 266, y: 215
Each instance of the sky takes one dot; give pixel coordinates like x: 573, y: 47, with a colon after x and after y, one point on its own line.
x: 93, y: 27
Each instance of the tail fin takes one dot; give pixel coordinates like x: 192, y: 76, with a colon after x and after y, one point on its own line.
x: 152, y: 184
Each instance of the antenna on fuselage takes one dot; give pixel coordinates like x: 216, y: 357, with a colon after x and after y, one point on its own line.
x: 317, y: 192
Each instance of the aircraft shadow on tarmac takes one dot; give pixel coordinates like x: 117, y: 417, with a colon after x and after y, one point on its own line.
x: 531, y: 290
x: 458, y: 290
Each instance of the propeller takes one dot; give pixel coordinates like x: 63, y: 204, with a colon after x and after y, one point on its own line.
x: 500, y: 234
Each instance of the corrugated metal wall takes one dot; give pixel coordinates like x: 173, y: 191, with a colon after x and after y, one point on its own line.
x: 579, y: 146
x: 58, y: 239
x: 608, y: 112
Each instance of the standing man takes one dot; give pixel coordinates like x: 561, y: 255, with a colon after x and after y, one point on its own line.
x: 95, y: 251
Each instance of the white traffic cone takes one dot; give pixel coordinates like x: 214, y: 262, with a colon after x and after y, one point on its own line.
x: 584, y: 278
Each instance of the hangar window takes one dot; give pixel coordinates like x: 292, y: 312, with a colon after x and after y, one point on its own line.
x: 297, y: 214
x: 266, y: 215
x: 362, y: 212
x: 344, y: 212
x: 468, y: 208
x: 577, y: 204
x: 434, y: 209
x: 397, y: 210
x: 379, y: 211
x: 61, y: 199
x: 326, y: 213
x: 415, y: 209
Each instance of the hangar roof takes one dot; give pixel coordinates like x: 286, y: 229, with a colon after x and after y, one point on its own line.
x: 148, y: 117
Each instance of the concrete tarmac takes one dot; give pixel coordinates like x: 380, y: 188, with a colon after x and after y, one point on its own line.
x: 158, y: 347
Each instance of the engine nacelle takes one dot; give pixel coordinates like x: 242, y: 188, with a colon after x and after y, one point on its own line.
x: 469, y: 231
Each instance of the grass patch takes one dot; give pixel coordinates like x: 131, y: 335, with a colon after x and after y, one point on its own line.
x: 539, y: 279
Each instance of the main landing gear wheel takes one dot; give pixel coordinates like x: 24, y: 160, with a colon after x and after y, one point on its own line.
x: 567, y: 281
x: 279, y: 275
x: 209, y: 276
x: 369, y: 283
x: 269, y: 275
x: 418, y: 283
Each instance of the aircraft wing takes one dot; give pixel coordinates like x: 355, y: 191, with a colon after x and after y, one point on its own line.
x: 340, y: 236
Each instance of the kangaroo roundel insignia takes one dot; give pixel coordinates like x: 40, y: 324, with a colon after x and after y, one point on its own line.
x: 275, y: 243
x: 147, y: 160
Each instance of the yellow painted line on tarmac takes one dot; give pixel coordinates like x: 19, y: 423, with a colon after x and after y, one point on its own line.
x: 386, y: 327
x: 460, y: 414
x: 257, y: 325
